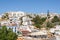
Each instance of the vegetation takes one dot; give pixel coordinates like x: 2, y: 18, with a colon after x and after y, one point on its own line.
x: 55, y: 19
x: 43, y: 19
x: 41, y: 22
x: 29, y: 16
x: 49, y: 25
x: 5, y: 16
x: 38, y: 21
x: 21, y: 20
x: 7, y: 34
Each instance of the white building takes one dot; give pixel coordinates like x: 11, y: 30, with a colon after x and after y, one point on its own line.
x: 15, y: 16
x: 26, y: 20
x: 5, y: 22
x: 14, y: 20
x: 26, y: 23
x: 55, y: 30
x: 14, y: 28
x: 0, y: 16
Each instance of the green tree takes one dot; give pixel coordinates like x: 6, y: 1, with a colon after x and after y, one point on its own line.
x: 5, y: 16
x: 7, y: 34
x: 55, y: 19
x: 49, y: 25
x: 21, y: 20
x: 29, y: 16
x: 43, y: 19
x: 38, y: 21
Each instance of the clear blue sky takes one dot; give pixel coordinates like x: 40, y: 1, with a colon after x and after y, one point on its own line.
x: 30, y: 5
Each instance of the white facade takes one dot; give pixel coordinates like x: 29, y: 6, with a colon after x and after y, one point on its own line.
x: 23, y: 28
x: 4, y: 23
x: 55, y: 30
x: 14, y: 28
x: 57, y: 27
x: 15, y: 16
x: 26, y: 21
x: 52, y: 30
x: 14, y: 20
x: 26, y: 24
x: 0, y: 16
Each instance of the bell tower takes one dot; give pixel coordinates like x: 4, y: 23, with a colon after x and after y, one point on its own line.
x: 48, y: 15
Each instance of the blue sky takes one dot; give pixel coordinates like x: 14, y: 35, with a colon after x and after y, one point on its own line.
x: 35, y: 6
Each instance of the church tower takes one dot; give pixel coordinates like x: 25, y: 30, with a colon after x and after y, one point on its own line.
x: 48, y: 15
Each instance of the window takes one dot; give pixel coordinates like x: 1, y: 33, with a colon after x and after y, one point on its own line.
x: 10, y: 19
x: 15, y: 29
x: 10, y: 22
